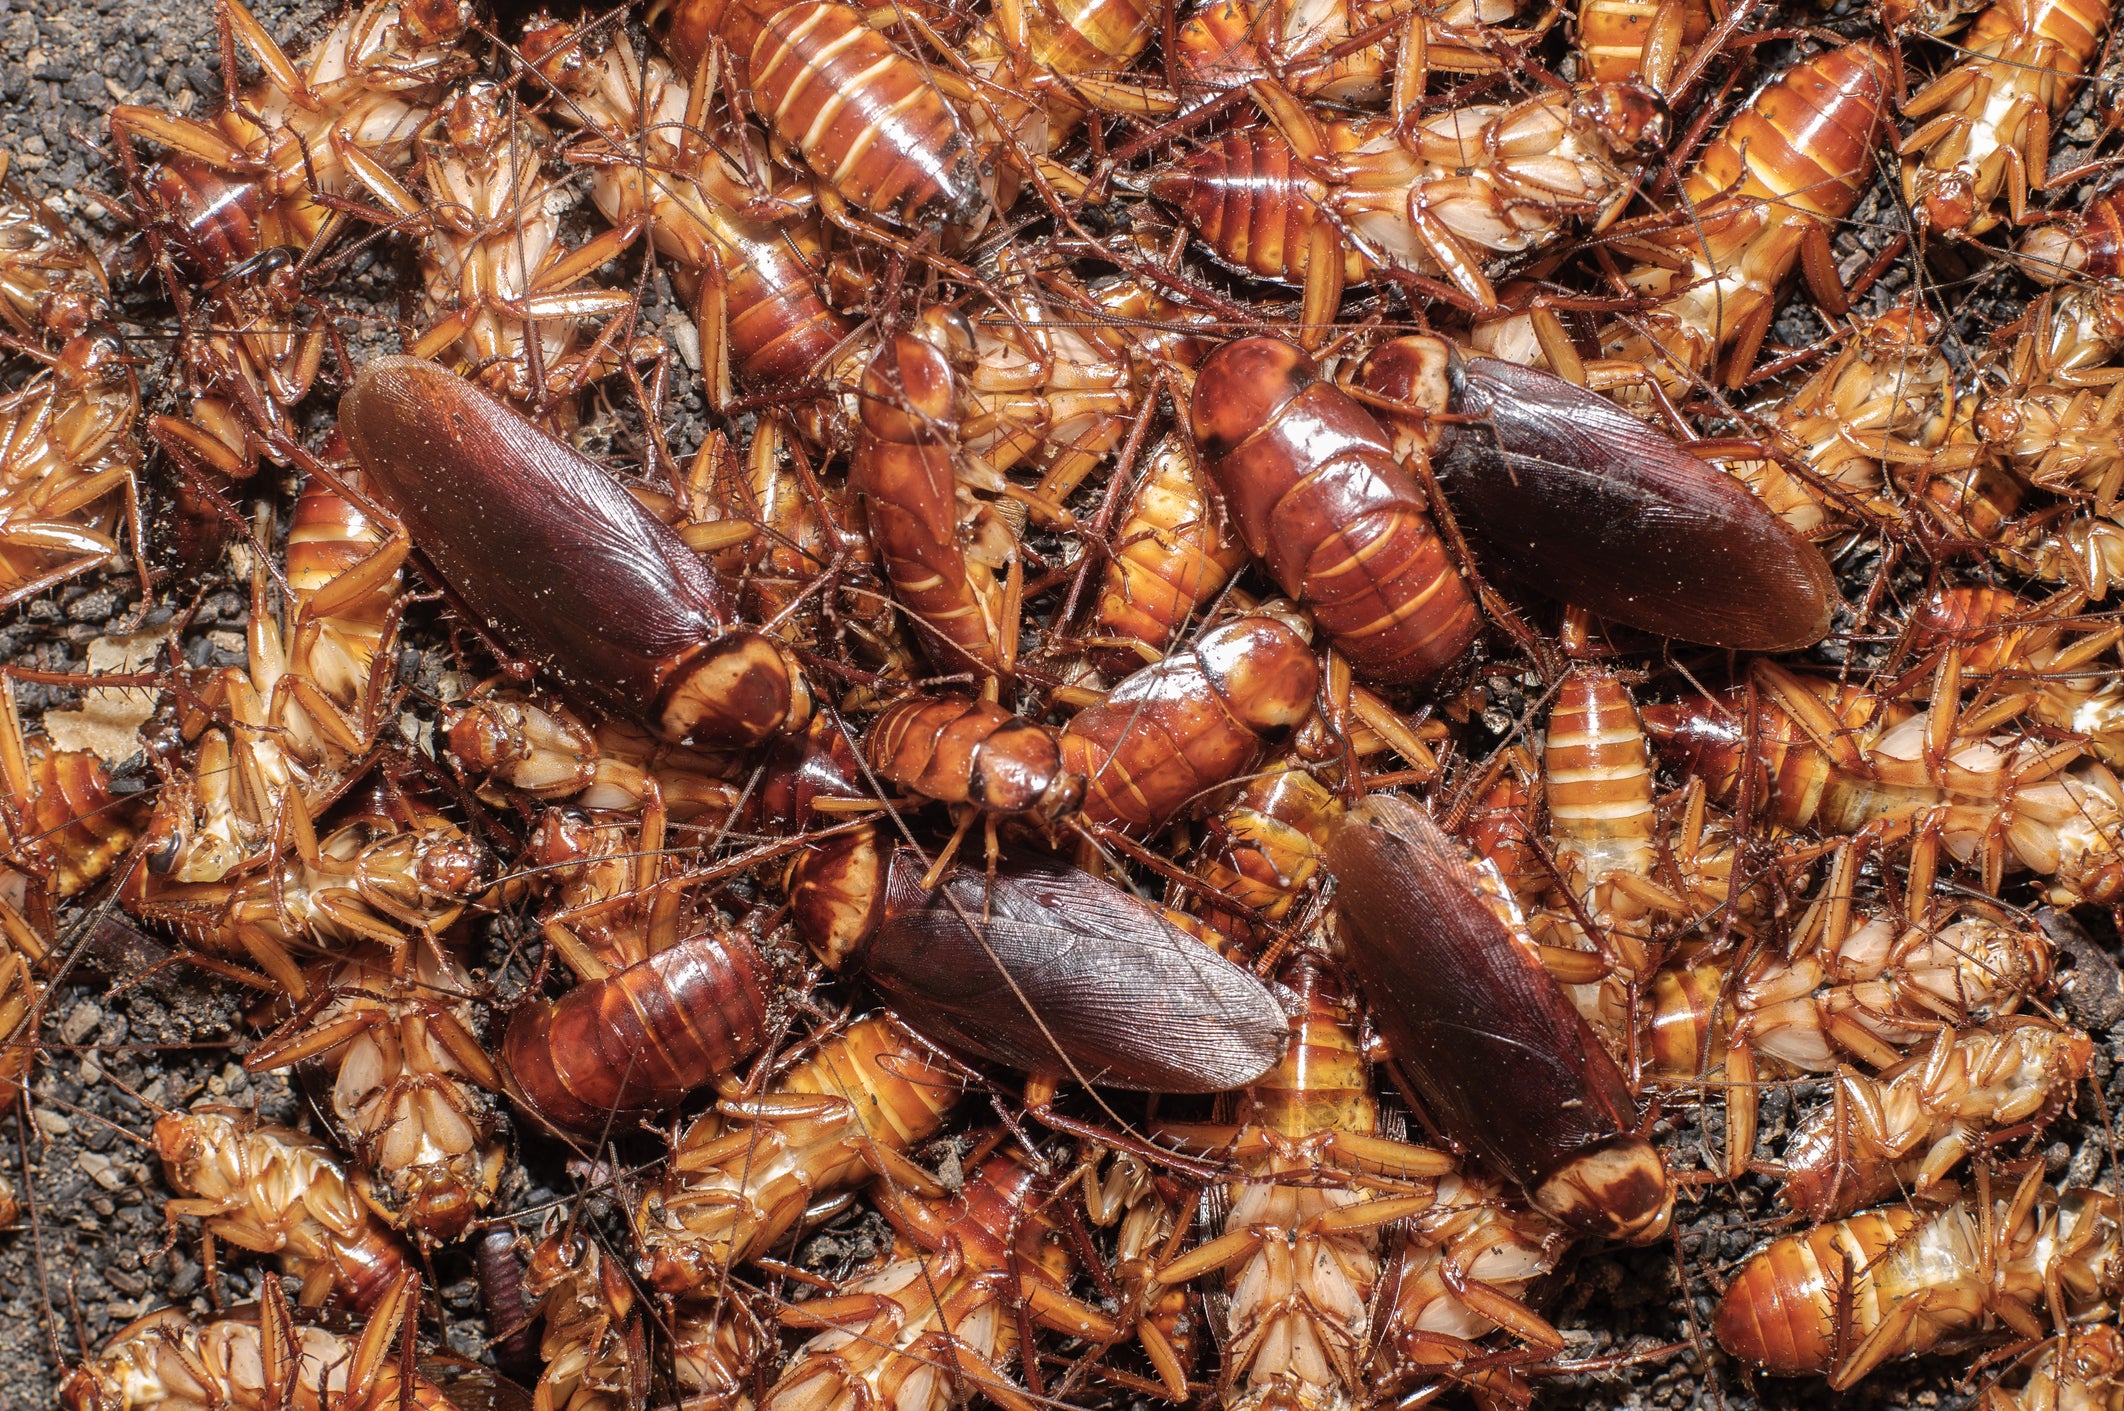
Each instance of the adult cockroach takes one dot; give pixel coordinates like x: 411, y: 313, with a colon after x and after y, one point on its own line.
x: 258, y: 1362
x: 1053, y: 971
x: 276, y: 1191
x: 742, y: 1176
x: 1984, y: 125
x: 1903, y: 1131
x: 1301, y: 1255
x: 410, y: 1083
x: 1308, y: 45
x: 1486, y: 1037
x: 936, y: 1301
x: 871, y: 122
x: 251, y: 177
x: 1171, y: 734
x: 1907, y: 1280
x: 547, y: 552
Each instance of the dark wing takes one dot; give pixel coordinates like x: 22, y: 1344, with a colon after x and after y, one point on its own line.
x: 1500, y: 1057
x: 1580, y: 499
x: 533, y: 539
x: 1068, y: 966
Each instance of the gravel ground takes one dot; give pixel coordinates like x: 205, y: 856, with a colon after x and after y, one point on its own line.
x: 92, y: 1250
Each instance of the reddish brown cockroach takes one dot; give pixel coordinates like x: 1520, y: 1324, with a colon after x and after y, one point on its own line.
x: 1841, y: 1299
x: 270, y: 1189
x: 1171, y: 734
x: 549, y: 553
x: 1488, y: 1039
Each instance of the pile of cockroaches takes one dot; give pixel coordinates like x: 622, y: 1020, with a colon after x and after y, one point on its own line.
x: 1064, y: 704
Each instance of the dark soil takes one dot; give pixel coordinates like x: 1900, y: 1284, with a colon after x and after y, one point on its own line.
x: 92, y: 1250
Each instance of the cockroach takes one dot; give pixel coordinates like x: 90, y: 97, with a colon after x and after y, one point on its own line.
x: 638, y: 625
x: 270, y: 1189
x: 868, y: 120
x: 742, y: 1176
x: 752, y: 285
x: 1999, y: 799
x: 1171, y: 555
x: 502, y: 297
x: 1619, y: 40
x: 1575, y: 485
x: 64, y: 828
x: 540, y: 749
x: 1002, y: 971
x: 501, y: 1294
x: 1889, y: 400
x: 1983, y: 126
x: 1331, y: 204
x: 717, y: 1346
x: 1301, y: 1256
x: 411, y: 1086
x: 1308, y: 45
x: 595, y: 1349
x: 1764, y: 194
x: 2073, y: 246
x: 383, y: 877
x: 1466, y: 1270
x: 963, y: 751
x: 251, y: 177
x: 913, y: 406
x: 52, y: 286
x: 936, y: 1298
x: 1578, y: 488
x: 68, y: 460
x: 1123, y: 1192
x: 1903, y: 1131
x: 2030, y: 652
x: 1171, y: 734
x: 667, y: 997
x: 1487, y: 1038
x: 1263, y: 849
x: 258, y: 1361
x: 1910, y: 1279
x: 2080, y: 1367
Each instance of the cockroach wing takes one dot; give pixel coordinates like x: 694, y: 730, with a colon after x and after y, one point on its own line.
x: 548, y: 553
x: 1490, y: 1042
x: 1589, y: 504
x: 1062, y: 973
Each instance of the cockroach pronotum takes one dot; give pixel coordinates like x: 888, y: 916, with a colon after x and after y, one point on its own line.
x: 545, y: 550
x: 1487, y: 1038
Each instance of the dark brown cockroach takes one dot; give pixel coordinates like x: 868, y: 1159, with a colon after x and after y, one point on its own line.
x: 1487, y: 1037
x: 551, y: 555
x: 1591, y: 505
x: 1054, y: 971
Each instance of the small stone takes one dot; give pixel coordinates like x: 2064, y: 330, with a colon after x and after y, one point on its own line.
x: 80, y: 1022
x: 53, y: 1124
x: 103, y: 1171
